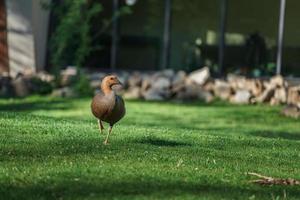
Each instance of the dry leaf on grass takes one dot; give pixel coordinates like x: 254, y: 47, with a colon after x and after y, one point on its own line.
x: 266, y: 180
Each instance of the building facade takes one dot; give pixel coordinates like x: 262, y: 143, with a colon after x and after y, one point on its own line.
x: 24, y: 34
x: 194, y: 34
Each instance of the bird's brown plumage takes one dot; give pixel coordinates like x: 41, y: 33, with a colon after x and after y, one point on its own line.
x: 107, y: 106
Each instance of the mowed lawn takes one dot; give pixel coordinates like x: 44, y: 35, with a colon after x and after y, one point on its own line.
x: 52, y: 149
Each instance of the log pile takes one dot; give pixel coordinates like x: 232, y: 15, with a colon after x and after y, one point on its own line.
x: 199, y: 85
x: 168, y: 85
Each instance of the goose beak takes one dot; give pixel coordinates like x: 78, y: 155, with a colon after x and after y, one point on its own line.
x: 119, y: 83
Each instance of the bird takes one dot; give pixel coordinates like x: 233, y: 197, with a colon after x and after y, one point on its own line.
x: 107, y: 106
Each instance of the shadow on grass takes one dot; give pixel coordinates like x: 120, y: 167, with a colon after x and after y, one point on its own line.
x: 32, y: 105
x: 275, y: 134
x: 64, y: 186
x: 81, y: 146
x: 161, y: 142
x: 48, y: 103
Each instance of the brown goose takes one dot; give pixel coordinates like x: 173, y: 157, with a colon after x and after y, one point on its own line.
x: 107, y: 106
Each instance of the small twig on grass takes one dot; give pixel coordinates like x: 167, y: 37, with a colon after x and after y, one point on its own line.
x: 266, y: 180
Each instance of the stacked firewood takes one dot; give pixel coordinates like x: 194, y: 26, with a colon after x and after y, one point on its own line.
x: 199, y: 85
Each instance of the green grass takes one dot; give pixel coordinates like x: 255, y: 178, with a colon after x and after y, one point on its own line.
x: 52, y: 149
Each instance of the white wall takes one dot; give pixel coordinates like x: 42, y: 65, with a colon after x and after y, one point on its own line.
x: 27, y: 26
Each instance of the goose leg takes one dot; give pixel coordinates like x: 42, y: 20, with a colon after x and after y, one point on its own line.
x: 109, y: 131
x: 100, y: 125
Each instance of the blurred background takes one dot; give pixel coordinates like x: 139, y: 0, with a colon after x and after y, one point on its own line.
x: 240, y: 51
x: 149, y: 35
